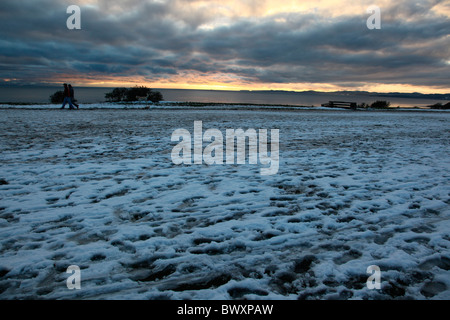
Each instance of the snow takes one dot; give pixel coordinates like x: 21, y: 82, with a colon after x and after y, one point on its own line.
x: 177, y: 105
x: 96, y: 188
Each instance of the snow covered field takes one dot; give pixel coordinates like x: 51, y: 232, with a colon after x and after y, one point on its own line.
x: 98, y: 189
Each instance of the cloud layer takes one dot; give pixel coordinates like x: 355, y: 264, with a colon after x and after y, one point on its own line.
x: 282, y: 44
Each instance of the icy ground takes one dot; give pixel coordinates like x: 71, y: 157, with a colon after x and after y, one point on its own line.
x: 97, y: 189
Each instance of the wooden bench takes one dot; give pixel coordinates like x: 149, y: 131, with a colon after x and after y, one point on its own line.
x: 341, y: 104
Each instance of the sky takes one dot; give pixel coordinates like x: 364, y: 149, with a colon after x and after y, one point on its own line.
x: 322, y: 45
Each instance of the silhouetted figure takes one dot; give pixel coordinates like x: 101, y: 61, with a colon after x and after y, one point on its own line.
x: 72, y: 96
x: 67, y: 98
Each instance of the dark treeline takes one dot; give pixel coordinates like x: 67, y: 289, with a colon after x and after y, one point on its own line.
x: 138, y: 93
x: 121, y: 94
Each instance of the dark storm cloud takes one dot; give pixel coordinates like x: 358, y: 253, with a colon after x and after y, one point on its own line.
x: 160, y: 39
x: 342, y: 50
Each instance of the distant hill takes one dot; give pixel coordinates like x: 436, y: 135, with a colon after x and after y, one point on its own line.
x: 414, y: 95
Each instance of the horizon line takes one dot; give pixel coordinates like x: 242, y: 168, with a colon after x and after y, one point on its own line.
x: 44, y: 85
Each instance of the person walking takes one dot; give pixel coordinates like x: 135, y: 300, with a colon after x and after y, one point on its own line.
x: 72, y: 96
x: 67, y: 98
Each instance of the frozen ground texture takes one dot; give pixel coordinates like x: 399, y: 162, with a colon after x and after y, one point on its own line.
x: 97, y: 189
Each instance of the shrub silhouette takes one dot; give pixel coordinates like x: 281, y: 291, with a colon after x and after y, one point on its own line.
x: 155, y: 96
x: 118, y: 94
x: 134, y: 94
x: 57, y: 97
x: 380, y: 104
x: 440, y: 106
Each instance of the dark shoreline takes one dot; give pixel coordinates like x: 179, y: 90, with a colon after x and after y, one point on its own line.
x: 205, y: 106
